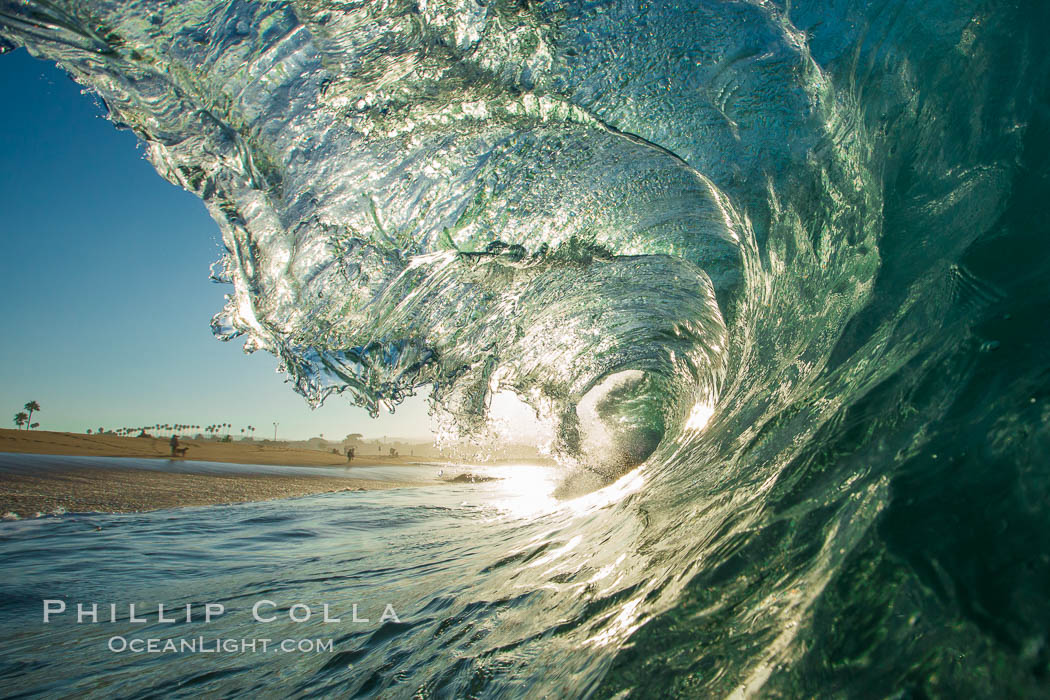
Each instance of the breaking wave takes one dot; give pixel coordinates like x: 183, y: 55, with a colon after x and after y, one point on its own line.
x: 775, y: 266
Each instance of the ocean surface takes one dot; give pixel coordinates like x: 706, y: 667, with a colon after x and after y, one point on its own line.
x: 418, y: 550
x: 771, y: 275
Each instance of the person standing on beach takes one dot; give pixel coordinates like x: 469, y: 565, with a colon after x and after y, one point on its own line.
x: 174, y: 444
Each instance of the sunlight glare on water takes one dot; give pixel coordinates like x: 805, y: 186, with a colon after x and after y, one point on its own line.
x: 700, y: 416
x: 528, y: 490
x: 525, y: 490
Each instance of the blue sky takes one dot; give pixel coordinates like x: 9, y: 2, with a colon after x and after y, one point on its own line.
x: 104, y: 290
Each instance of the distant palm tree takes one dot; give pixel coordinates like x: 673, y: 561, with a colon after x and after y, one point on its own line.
x: 31, y: 406
x: 21, y: 418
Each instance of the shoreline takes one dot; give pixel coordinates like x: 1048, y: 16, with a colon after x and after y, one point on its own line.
x: 237, y: 452
x: 131, y: 490
x: 42, y: 483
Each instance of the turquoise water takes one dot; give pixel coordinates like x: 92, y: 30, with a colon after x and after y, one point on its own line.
x: 417, y: 550
x: 771, y: 275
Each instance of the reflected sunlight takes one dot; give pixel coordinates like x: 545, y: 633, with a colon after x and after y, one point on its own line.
x: 700, y: 416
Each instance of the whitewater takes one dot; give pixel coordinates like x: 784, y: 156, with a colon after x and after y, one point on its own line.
x: 771, y: 274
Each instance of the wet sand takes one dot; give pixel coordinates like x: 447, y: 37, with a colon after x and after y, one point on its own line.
x: 46, y: 472
x: 132, y: 490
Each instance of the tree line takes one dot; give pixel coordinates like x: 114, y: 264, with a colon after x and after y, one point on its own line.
x: 176, y: 428
x: 24, y: 421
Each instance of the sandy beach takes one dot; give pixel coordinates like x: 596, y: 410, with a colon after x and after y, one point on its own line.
x: 236, y: 452
x: 39, y: 485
